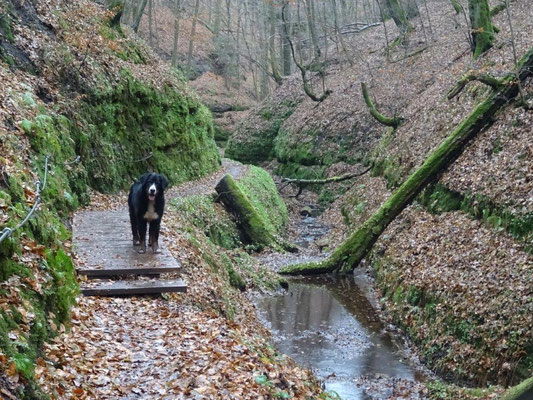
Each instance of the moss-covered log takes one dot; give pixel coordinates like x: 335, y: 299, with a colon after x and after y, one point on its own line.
x: 249, y: 219
x: 347, y: 256
x: 483, y: 78
x: 382, y: 119
x: 333, y: 179
x: 522, y: 391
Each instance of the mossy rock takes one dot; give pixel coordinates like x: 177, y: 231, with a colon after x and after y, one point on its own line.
x: 259, y: 187
x: 134, y: 127
x: 253, y: 141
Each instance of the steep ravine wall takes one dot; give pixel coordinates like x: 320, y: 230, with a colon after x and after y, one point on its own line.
x: 102, y: 115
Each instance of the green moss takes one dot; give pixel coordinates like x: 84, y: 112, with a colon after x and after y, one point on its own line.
x: 303, y: 152
x: 262, y: 193
x: 298, y: 171
x: 414, y: 307
x: 522, y: 391
x: 235, y: 279
x: 438, y: 199
x: 61, y: 295
x: 252, y: 144
x: 5, y: 27
x: 482, y: 27
x: 221, y: 136
x: 439, y: 390
x: 8, y: 268
x: 133, y: 127
x: 201, y: 212
x: 390, y: 168
x: 257, y: 230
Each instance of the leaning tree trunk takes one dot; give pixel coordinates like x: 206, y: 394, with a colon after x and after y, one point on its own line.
x: 347, y: 256
x: 482, y: 28
x: 396, y: 11
x: 138, y: 16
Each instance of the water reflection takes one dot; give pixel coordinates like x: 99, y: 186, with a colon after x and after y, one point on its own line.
x: 328, y: 325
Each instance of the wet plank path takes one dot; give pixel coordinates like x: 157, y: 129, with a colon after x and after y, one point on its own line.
x: 102, y: 241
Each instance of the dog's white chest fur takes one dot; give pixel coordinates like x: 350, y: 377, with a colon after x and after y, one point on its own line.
x: 150, y: 214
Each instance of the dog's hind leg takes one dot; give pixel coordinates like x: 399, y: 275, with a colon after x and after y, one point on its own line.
x: 154, y: 235
x: 142, y: 236
x: 134, y: 228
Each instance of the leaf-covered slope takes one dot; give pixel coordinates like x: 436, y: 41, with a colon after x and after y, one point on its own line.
x: 439, y: 269
x: 103, y: 110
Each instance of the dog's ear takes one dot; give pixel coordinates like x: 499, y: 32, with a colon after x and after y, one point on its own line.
x: 164, y: 182
x: 143, y: 178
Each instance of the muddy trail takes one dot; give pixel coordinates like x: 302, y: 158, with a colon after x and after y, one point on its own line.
x: 332, y: 325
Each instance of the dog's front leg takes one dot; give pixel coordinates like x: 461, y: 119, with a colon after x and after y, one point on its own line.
x: 134, y: 227
x: 154, y: 236
x: 142, y: 234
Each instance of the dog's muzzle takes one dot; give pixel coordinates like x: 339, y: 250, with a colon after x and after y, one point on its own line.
x: 152, y: 191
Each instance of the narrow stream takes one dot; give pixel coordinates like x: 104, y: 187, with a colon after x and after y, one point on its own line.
x: 329, y: 325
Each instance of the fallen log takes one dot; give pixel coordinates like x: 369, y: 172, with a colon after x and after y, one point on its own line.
x: 323, y: 181
x: 347, y: 256
x: 488, y: 80
x: 249, y: 220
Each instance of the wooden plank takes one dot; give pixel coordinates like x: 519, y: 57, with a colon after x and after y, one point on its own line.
x: 102, y: 241
x: 91, y: 273
x: 116, y: 288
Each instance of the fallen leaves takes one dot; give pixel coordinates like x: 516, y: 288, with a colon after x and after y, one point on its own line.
x: 125, y: 346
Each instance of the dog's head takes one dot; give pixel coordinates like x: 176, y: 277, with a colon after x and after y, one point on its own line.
x: 153, y: 184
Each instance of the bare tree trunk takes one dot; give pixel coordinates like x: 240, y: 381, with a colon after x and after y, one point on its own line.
x: 191, y: 40
x: 310, y: 14
x: 411, y: 8
x: 303, y: 70
x: 138, y: 15
x: 338, y: 34
x: 150, y: 23
x: 265, y: 79
x: 218, y: 16
x: 238, y: 48
x: 272, y: 49
x: 396, y: 11
x: 177, y: 12
x: 286, y: 50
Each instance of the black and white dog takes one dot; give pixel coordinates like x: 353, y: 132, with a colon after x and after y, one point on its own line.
x: 146, y: 202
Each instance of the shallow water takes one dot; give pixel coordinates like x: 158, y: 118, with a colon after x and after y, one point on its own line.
x: 329, y: 325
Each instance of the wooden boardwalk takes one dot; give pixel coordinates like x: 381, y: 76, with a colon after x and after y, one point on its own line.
x: 102, y: 241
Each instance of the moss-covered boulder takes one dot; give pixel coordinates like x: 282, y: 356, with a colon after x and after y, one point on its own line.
x: 134, y: 127
x: 260, y: 212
